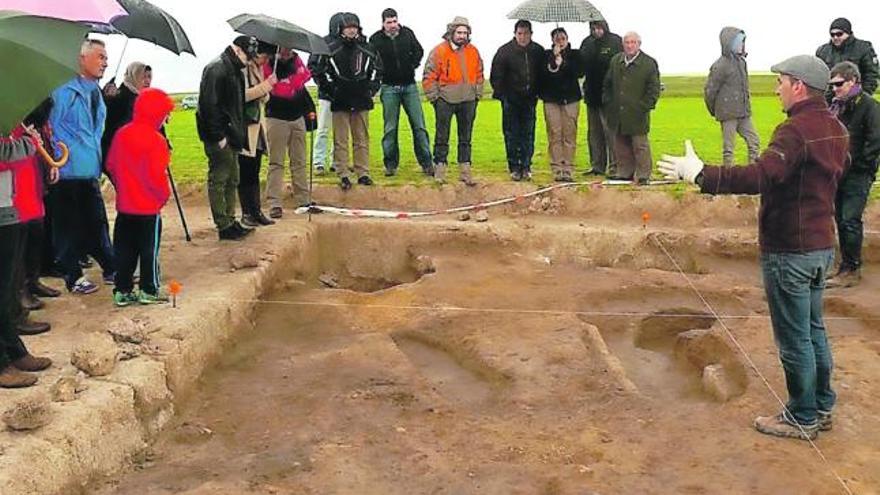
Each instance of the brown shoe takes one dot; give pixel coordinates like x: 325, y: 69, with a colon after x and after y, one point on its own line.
x: 844, y: 279
x: 33, y: 327
x: 32, y: 363
x: 464, y: 174
x: 779, y: 426
x: 12, y: 377
x: 30, y: 302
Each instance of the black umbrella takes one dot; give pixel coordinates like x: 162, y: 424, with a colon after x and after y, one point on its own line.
x: 279, y: 32
x: 147, y: 22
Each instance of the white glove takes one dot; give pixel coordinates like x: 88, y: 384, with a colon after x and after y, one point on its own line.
x: 686, y: 167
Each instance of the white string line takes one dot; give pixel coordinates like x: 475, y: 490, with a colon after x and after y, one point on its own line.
x: 751, y: 363
x: 462, y: 309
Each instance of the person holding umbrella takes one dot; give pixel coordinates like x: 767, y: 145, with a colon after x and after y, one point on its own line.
x: 221, y: 127
x: 351, y: 76
x: 256, y: 94
x: 287, y: 111
x: 120, y: 106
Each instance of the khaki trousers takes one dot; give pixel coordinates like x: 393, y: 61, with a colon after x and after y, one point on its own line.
x: 633, y: 156
x: 562, y: 121
x: 287, y: 139
x: 356, y: 125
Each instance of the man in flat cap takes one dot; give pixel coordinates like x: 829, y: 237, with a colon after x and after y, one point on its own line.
x: 844, y: 47
x: 797, y: 177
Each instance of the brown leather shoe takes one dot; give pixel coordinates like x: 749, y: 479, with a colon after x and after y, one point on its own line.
x: 32, y: 363
x: 30, y: 302
x: 12, y: 377
x: 33, y: 327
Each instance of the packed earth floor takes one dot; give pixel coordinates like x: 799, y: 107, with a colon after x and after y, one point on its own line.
x: 561, y: 347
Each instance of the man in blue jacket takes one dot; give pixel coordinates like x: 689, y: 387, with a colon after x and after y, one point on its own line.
x: 79, y: 225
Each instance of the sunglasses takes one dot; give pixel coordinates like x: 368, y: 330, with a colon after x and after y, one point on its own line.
x: 837, y: 84
x: 837, y: 34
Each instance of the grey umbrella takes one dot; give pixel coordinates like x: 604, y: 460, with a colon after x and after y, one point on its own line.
x: 147, y: 22
x: 556, y: 11
x: 279, y: 32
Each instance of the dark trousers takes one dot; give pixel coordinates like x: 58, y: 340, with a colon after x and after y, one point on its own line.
x: 518, y: 124
x: 223, y: 180
x: 80, y: 227
x: 136, y: 239
x: 47, y: 256
x: 27, y: 264
x: 249, y: 183
x: 11, y: 346
x: 465, y: 113
x: 849, y: 205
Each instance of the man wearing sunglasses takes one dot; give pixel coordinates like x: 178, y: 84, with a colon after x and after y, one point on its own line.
x: 844, y: 47
x: 797, y: 177
x: 860, y: 113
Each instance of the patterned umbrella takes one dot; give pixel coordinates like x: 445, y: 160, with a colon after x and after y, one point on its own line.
x: 556, y: 11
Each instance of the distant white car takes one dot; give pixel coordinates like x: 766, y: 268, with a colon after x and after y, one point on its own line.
x: 189, y: 102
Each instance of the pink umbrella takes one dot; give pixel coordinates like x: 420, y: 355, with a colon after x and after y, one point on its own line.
x: 98, y: 11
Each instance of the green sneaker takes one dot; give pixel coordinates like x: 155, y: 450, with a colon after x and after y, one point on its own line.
x: 147, y: 298
x: 123, y: 299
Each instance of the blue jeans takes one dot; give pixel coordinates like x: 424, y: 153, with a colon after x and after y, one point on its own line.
x: 794, y: 283
x: 392, y: 98
x: 518, y: 124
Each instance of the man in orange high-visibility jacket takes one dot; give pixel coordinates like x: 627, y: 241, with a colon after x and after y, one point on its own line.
x: 453, y: 83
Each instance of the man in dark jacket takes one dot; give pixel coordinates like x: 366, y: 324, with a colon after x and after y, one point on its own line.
x: 514, y: 79
x: 321, y: 149
x: 631, y: 91
x: 727, y: 95
x: 797, y: 177
x: 597, y: 50
x: 860, y: 113
x: 845, y: 47
x: 220, y: 122
x: 350, y: 75
x: 401, y: 55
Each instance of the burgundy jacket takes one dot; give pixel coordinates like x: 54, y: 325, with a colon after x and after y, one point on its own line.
x: 796, y: 177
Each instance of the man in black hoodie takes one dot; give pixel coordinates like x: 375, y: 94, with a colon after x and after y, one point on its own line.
x: 350, y: 75
x: 514, y: 78
x: 401, y: 55
x: 221, y: 127
x: 321, y: 149
x: 597, y: 50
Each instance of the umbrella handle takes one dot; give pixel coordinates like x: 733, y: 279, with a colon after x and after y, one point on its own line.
x: 65, y: 154
x: 121, y: 56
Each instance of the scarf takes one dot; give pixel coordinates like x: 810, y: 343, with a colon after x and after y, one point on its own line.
x: 839, y: 103
x: 133, y: 74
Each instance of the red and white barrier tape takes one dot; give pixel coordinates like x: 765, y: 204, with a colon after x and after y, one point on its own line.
x: 402, y: 215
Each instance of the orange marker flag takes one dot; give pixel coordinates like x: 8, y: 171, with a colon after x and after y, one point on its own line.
x: 645, y: 218
x: 174, y: 289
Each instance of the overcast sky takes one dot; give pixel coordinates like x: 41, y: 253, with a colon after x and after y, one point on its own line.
x: 681, y: 35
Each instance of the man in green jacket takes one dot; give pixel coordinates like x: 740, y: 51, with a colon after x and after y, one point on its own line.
x: 631, y: 90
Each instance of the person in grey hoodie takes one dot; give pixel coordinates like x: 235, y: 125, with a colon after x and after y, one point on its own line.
x: 727, y: 95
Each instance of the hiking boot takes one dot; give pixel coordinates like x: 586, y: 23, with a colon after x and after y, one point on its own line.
x: 565, y: 177
x: 146, y: 298
x: 516, y: 176
x: 83, y: 286
x: 779, y: 426
x: 39, y: 289
x: 12, y: 377
x: 440, y: 173
x: 122, y: 299
x: 319, y: 170
x: 276, y: 212
x: 30, y: 302
x: 844, y: 279
x: 390, y: 171
x: 32, y: 363
x: 643, y: 182
x: 32, y: 327
x: 365, y: 180
x: 825, y: 420
x: 345, y: 183
x: 527, y: 175
x: 249, y: 221
x: 428, y: 170
x: 464, y: 174
x: 234, y: 232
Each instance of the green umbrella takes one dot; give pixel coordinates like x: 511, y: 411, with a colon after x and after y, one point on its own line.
x: 37, y: 54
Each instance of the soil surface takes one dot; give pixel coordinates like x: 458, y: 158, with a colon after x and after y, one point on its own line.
x: 512, y: 371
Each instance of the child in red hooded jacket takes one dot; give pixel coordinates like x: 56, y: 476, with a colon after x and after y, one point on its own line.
x: 138, y: 162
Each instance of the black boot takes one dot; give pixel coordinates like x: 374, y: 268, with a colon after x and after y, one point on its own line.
x: 39, y: 289
x: 257, y: 212
x: 246, y: 198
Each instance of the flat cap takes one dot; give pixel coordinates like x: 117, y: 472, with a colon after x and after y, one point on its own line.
x: 807, y: 68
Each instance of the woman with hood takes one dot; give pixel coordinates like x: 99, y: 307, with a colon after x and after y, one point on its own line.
x: 558, y: 87
x: 120, y: 106
x: 138, y: 162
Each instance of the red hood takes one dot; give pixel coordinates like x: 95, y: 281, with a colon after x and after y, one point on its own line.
x: 151, y: 107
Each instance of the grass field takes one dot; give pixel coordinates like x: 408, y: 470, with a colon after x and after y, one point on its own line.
x: 680, y: 115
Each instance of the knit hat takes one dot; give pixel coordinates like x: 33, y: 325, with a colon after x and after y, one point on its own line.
x: 458, y: 21
x: 843, y: 24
